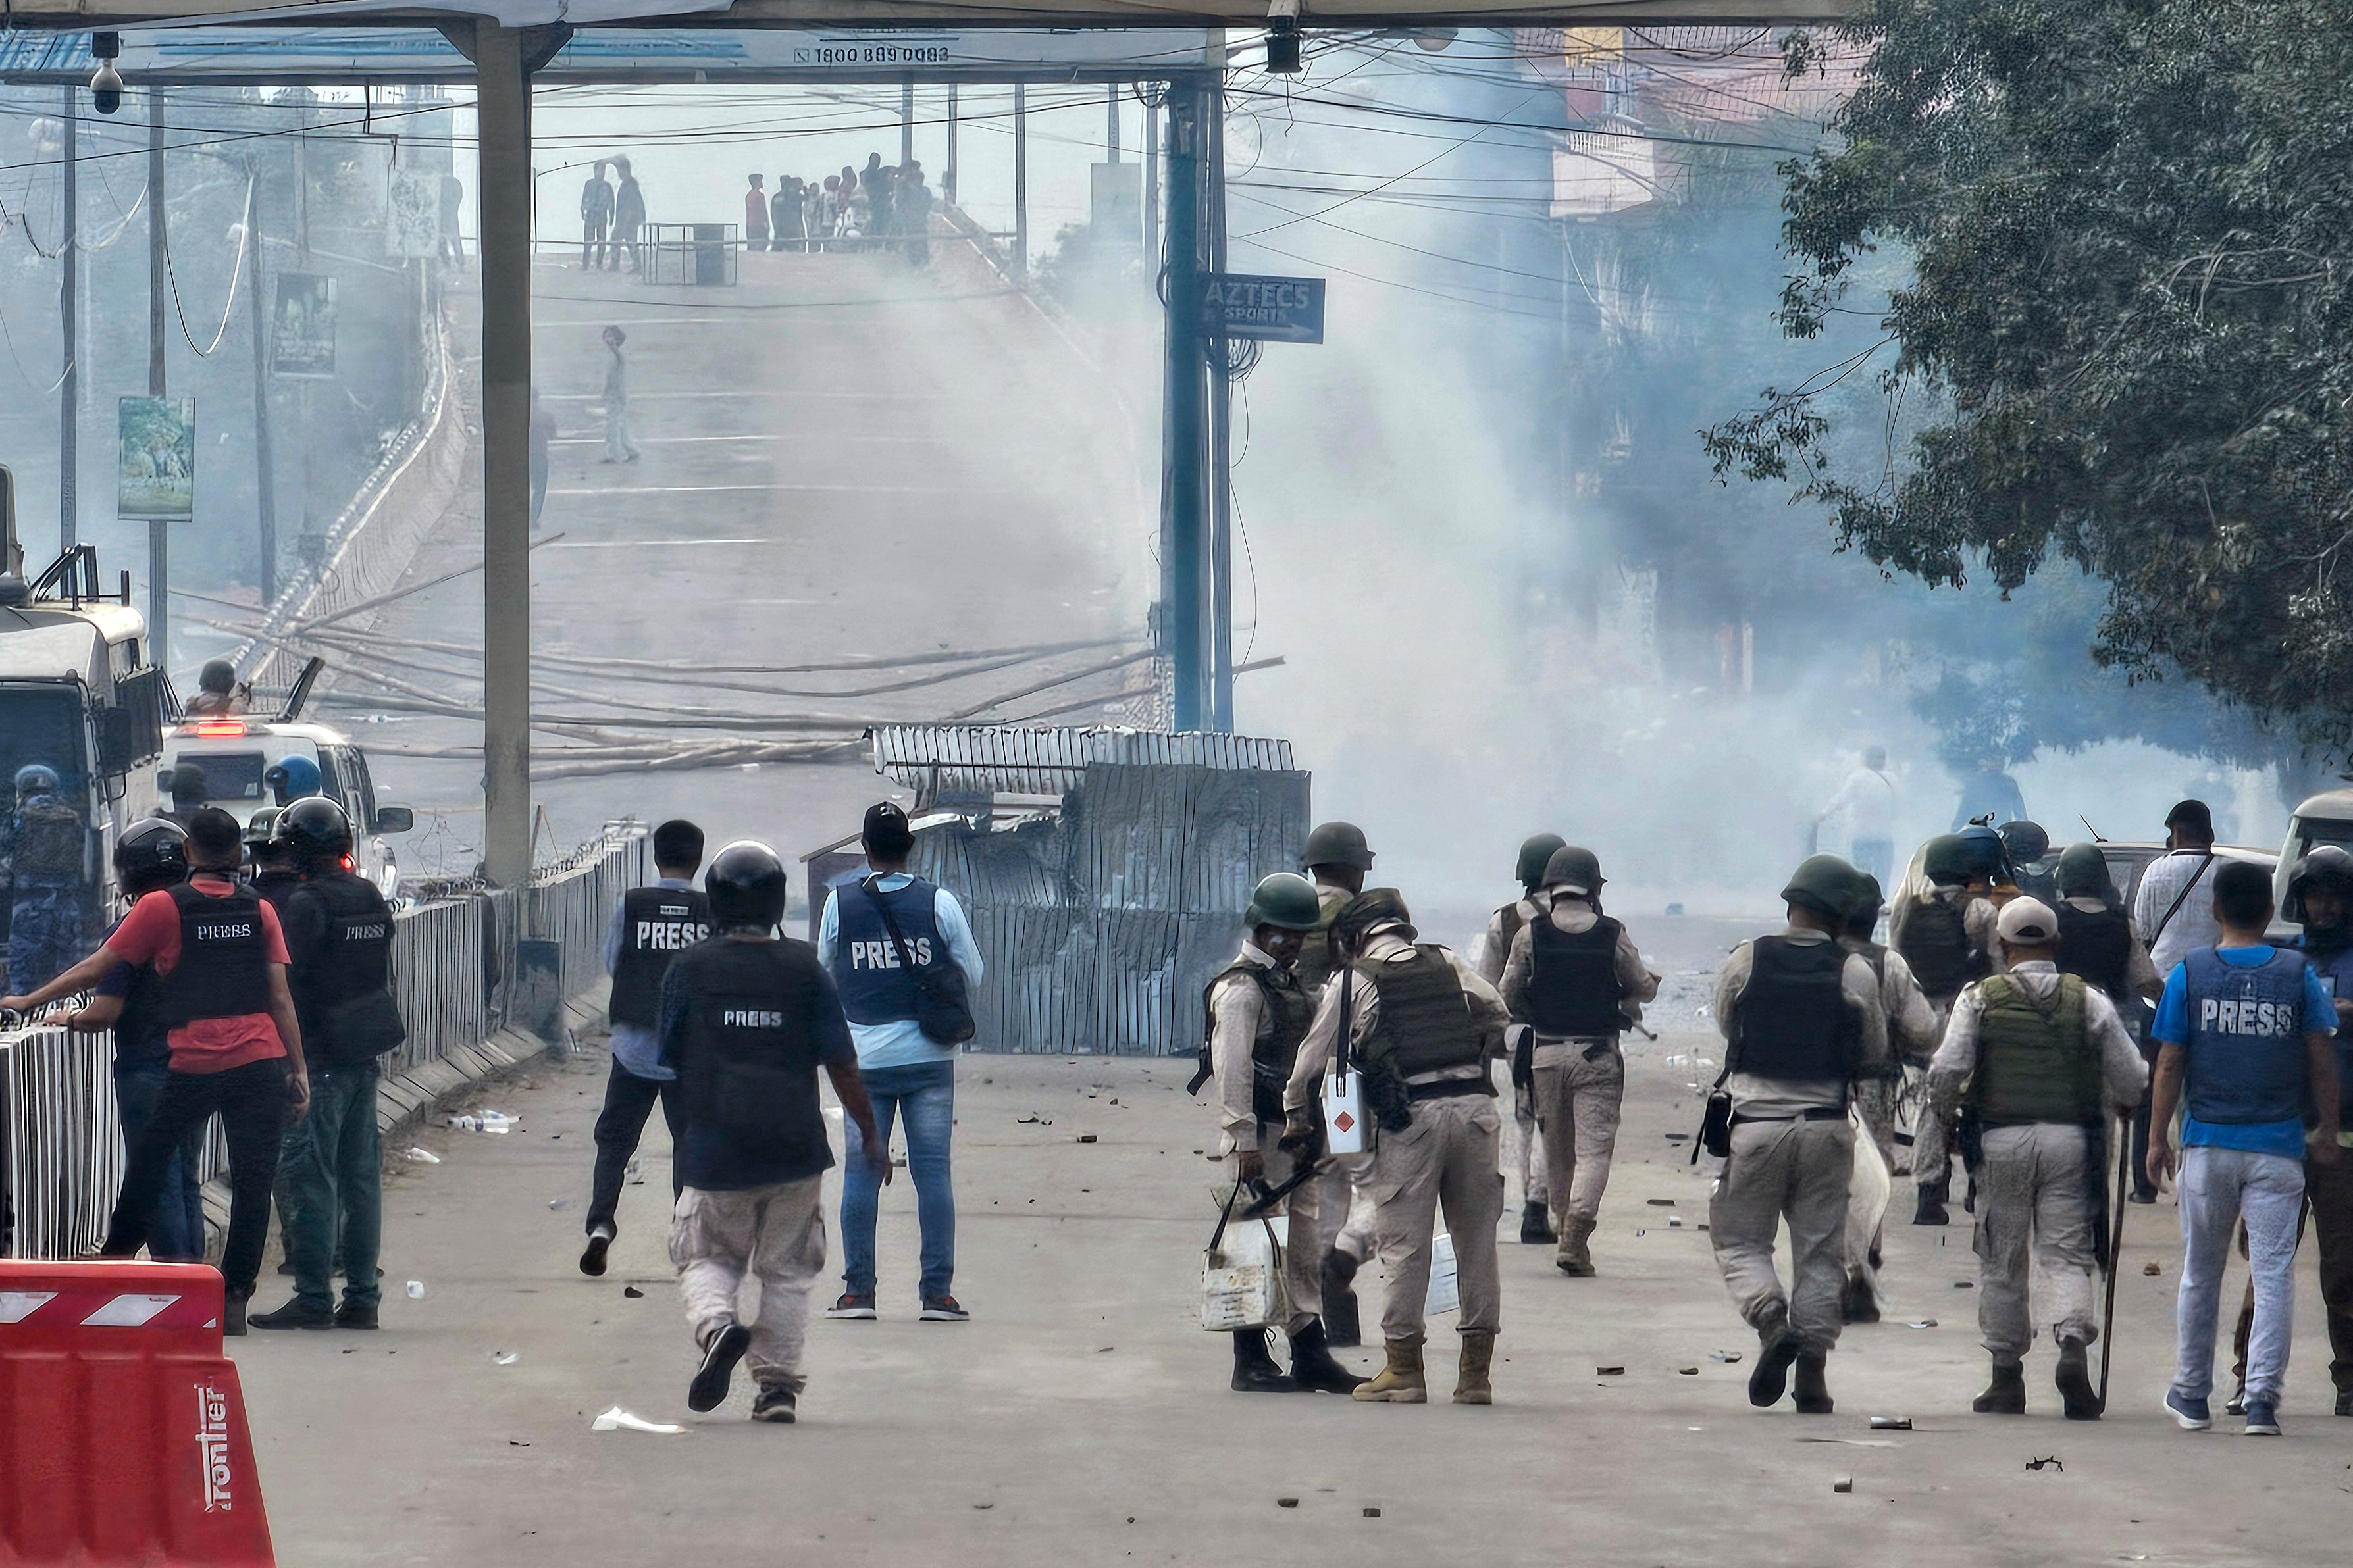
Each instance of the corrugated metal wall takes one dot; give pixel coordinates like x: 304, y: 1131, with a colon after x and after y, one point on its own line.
x: 1101, y: 929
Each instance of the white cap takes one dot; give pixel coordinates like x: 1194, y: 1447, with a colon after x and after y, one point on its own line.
x: 2028, y: 922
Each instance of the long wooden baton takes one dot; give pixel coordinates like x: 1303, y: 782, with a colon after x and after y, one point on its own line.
x: 2115, y: 1255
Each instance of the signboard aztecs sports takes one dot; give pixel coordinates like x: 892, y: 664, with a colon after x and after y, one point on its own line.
x: 1271, y: 310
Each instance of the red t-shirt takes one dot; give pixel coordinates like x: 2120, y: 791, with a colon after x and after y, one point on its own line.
x: 150, y: 934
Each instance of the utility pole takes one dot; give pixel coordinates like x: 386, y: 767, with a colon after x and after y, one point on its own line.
x: 1185, y: 418
x: 948, y: 175
x: 265, y: 464
x: 159, y: 532
x: 1150, y: 152
x: 69, y: 335
x: 1110, y: 112
x: 502, y: 105
x: 1221, y: 389
x: 1020, y: 179
x: 906, y: 121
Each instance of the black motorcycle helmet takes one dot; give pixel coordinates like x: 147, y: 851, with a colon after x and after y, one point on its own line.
x: 746, y: 887
x: 314, y: 828
x: 151, y: 854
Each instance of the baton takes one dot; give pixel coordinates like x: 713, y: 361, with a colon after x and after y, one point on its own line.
x: 1268, y: 1197
x: 2115, y: 1255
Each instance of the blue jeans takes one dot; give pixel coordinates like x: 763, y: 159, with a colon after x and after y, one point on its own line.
x: 337, y: 1185
x: 178, y: 1234
x: 926, y: 1094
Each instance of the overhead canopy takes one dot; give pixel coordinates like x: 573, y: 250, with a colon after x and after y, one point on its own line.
x: 84, y: 14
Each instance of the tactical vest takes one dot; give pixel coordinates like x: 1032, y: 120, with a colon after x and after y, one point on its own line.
x: 222, y: 971
x: 1315, y: 966
x: 1573, y: 989
x: 1792, y: 1015
x: 1425, y: 1020
x: 657, y: 925
x: 49, y: 849
x: 1290, y: 1009
x: 2246, y: 1038
x: 744, y: 1059
x: 2035, y: 1061
x: 2097, y: 945
x: 1510, y: 921
x: 2334, y: 964
x: 1936, y: 945
x: 876, y: 985
x: 277, y: 887
x: 353, y: 964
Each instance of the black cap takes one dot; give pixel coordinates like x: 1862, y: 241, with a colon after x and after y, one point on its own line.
x: 885, y: 831
x: 2193, y: 815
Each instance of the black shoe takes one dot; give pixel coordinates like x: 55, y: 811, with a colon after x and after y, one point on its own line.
x: 1340, y: 1325
x: 1813, y: 1392
x: 1770, y: 1375
x: 708, y: 1389
x: 592, y: 1259
x: 777, y: 1404
x: 1312, y: 1366
x: 2006, y: 1395
x: 2141, y: 1195
x: 233, y: 1320
x: 296, y: 1314
x: 1254, y: 1369
x: 1535, y: 1225
x: 2077, y: 1396
x: 2345, y: 1402
x: 351, y: 1315
x: 1931, y: 1209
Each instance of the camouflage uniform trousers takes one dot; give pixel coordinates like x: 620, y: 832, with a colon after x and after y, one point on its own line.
x: 45, y: 937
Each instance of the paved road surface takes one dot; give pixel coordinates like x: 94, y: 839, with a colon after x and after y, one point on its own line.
x: 843, y: 457
x: 1081, y: 1417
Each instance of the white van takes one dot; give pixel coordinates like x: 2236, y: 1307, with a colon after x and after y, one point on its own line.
x: 236, y: 752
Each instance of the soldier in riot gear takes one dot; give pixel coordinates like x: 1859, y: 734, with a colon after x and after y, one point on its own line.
x: 1945, y: 933
x: 1577, y: 978
x: 2097, y: 943
x: 1337, y: 858
x: 42, y: 848
x: 338, y: 936
x: 1258, y: 1013
x: 217, y: 691
x: 1802, y: 1021
x: 1527, y: 1152
x: 745, y: 1020
x: 1912, y: 1024
x: 1418, y: 1020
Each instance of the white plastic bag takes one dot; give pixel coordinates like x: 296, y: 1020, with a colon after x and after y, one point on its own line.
x: 1241, y: 1277
x: 1443, y: 1295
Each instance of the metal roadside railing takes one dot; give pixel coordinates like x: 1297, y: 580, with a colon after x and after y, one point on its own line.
x: 61, y: 1148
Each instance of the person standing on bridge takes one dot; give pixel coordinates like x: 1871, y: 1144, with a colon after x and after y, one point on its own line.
x: 747, y: 1020
x: 879, y: 184
x: 755, y: 216
x: 785, y: 214
x: 618, y: 447
x: 596, y: 217
x: 629, y: 218
x: 914, y: 203
x: 883, y: 939
x: 651, y: 926
x: 236, y: 1045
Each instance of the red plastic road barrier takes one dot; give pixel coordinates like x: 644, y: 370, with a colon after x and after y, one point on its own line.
x: 122, y: 1434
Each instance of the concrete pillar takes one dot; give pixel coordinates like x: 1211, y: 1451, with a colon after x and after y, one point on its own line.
x: 1185, y: 431
x: 159, y: 532
x: 69, y: 328
x: 1020, y: 179
x: 502, y: 107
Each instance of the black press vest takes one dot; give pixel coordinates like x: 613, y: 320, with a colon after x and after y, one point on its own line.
x: 657, y: 925
x: 2097, y: 945
x: 222, y: 971
x: 746, y: 1062
x: 1573, y: 989
x: 357, y: 958
x: 1793, y: 1018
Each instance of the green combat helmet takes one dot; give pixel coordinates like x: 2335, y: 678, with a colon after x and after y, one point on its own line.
x: 1576, y: 869
x: 1536, y: 855
x: 1285, y: 900
x: 1338, y: 844
x: 1947, y: 860
x: 2083, y: 873
x: 1824, y: 884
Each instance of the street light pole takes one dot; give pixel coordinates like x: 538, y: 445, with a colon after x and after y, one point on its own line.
x: 159, y: 532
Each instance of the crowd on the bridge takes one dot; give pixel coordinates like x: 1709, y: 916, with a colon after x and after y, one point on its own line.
x: 882, y: 207
x: 250, y: 979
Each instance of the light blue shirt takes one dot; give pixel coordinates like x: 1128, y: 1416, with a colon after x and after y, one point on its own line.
x: 904, y: 1043
x: 636, y: 1049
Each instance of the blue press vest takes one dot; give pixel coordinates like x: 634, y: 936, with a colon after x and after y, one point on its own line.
x: 2246, y: 1038
x: 876, y: 986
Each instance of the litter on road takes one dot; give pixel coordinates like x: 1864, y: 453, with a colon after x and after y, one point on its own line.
x: 618, y: 1419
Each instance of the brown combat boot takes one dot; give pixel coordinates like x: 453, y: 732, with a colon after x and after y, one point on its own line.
x: 1471, y: 1385
x: 1399, y: 1382
x: 1573, y: 1258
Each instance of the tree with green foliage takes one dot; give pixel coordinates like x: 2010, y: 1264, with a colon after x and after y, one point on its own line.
x: 2125, y: 311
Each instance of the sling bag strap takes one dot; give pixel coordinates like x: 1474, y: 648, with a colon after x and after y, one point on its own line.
x: 889, y: 922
